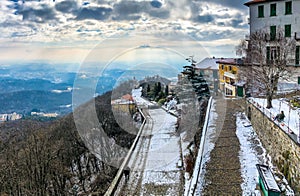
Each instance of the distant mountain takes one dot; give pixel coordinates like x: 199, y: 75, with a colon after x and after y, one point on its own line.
x: 46, y: 101
x: 49, y: 87
x: 9, y: 85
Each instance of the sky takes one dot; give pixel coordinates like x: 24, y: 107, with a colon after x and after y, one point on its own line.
x: 103, y: 30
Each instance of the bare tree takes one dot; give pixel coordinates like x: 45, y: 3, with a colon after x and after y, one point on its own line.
x: 266, y: 60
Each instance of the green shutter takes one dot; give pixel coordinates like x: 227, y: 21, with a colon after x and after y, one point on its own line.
x: 288, y: 7
x: 268, y: 53
x: 272, y: 33
x: 287, y: 30
x: 297, y: 55
x: 273, y: 9
x: 261, y: 11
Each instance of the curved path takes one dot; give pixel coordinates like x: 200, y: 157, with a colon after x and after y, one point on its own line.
x: 153, y: 166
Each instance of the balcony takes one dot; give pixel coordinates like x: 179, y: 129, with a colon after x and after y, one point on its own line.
x: 230, y: 87
x: 230, y: 75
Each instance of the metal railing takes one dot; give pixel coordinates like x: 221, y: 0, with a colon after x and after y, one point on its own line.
x: 282, y: 125
x: 198, y: 165
x: 114, y: 185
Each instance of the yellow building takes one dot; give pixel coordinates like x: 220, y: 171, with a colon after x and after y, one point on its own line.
x: 228, y: 73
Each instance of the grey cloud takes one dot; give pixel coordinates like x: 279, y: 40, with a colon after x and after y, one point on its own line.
x: 163, y: 14
x: 129, y: 7
x: 131, y: 10
x: 97, y: 13
x: 204, y: 18
x: 156, y: 4
x: 236, y: 23
x: 66, y: 6
x: 214, y: 35
x: 38, y: 15
x: 127, y: 17
x: 238, y: 4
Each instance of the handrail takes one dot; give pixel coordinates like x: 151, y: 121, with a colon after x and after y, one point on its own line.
x: 197, y: 168
x: 269, y: 115
x: 112, y: 188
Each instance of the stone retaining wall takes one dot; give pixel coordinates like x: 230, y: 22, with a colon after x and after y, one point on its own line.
x: 284, y: 151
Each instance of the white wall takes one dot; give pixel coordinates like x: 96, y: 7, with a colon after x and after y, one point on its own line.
x: 279, y: 20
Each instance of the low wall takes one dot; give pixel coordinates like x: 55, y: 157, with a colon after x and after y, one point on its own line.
x: 284, y: 151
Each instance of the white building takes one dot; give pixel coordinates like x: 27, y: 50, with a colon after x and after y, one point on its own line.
x: 277, y: 14
x: 209, y: 68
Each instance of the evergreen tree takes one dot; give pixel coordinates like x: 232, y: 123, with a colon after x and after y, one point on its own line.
x: 158, y: 87
x: 167, y: 90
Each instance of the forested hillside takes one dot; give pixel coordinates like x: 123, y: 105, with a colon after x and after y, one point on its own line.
x: 49, y: 158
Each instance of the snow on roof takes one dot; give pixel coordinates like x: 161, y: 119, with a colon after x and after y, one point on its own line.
x: 208, y: 63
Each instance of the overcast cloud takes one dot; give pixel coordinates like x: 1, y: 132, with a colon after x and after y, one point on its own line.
x: 61, y: 23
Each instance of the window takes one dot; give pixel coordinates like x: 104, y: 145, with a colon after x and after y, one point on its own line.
x: 260, y: 11
x: 273, y: 9
x: 288, y: 7
x: 287, y: 30
x: 297, y: 57
x: 230, y: 68
x: 272, y: 53
x: 272, y: 33
x: 268, y: 53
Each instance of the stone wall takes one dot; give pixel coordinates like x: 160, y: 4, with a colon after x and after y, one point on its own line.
x: 284, y: 151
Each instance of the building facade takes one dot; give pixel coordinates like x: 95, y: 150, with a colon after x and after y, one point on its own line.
x: 275, y: 15
x: 209, y: 68
x: 230, y: 84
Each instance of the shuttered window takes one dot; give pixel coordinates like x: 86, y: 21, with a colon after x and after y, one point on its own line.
x: 288, y: 7
x: 273, y: 9
x: 260, y: 11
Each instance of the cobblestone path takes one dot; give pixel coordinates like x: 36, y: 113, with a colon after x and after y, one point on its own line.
x: 223, y: 171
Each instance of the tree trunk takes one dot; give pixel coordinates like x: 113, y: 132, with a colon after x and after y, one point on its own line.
x: 269, y: 101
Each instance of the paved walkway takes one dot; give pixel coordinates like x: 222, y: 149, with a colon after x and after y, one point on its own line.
x: 153, y: 165
x: 223, y: 170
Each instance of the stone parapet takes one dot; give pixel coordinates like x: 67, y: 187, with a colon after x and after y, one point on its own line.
x: 285, y: 151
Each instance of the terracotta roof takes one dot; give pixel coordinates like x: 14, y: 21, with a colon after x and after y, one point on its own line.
x: 254, y: 2
x: 231, y: 61
x: 127, y: 97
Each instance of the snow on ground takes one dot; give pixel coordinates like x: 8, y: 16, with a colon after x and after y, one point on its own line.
x: 292, y: 118
x: 252, y: 152
x: 164, y: 145
x: 163, y: 155
x: 137, y: 96
x: 209, y: 144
